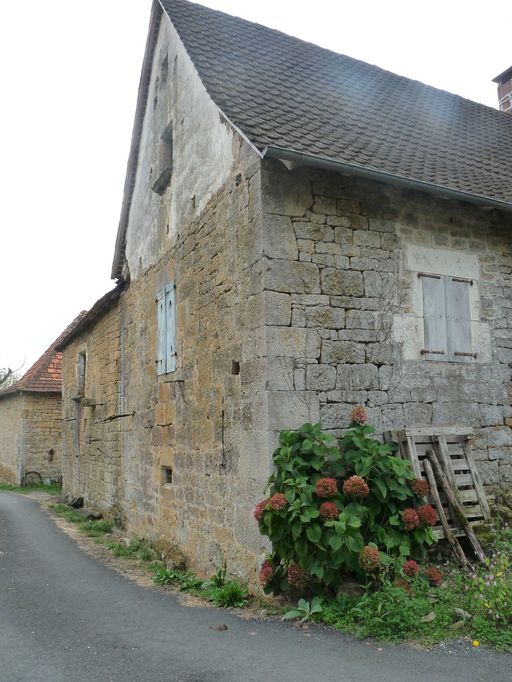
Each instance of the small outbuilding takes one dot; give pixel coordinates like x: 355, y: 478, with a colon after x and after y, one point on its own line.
x: 31, y: 421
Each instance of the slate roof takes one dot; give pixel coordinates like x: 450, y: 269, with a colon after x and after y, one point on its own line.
x: 288, y: 96
x: 45, y: 375
x: 284, y: 92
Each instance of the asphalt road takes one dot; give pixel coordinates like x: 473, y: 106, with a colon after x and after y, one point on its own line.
x: 66, y: 617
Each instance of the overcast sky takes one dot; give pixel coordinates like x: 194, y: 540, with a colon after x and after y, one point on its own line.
x: 69, y: 74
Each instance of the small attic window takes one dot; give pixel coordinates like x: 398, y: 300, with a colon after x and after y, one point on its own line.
x: 164, y: 161
x: 164, y: 71
x: 80, y: 374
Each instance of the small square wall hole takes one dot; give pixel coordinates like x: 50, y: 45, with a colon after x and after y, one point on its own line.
x: 166, y: 475
x: 235, y: 367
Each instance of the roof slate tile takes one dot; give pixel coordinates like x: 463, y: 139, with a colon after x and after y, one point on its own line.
x: 284, y: 92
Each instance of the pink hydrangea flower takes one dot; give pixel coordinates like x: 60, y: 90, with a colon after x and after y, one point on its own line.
x: 355, y: 486
x: 410, y: 519
x: 278, y: 501
x: 369, y: 558
x: 326, y: 487
x: 420, y: 487
x: 266, y: 572
x: 427, y: 515
x: 359, y: 415
x: 259, y: 509
x: 328, y: 510
x: 411, y: 568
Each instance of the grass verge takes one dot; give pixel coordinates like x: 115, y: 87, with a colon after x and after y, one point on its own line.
x: 476, y: 607
x: 51, y: 489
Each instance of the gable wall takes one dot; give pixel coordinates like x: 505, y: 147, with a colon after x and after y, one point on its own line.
x: 42, y: 418
x: 345, y: 267
x: 207, y: 420
x: 11, y: 438
x: 202, y: 155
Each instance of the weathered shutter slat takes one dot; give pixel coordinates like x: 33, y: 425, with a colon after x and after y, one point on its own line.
x: 161, y: 332
x: 434, y: 318
x: 170, y: 342
x: 458, y: 317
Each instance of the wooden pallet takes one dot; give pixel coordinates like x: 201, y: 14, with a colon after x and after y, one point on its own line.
x: 452, y: 447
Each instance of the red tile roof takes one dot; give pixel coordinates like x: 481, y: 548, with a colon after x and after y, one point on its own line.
x: 45, y: 375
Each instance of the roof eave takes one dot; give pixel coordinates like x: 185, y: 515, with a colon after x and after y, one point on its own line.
x: 300, y: 158
x: 504, y: 76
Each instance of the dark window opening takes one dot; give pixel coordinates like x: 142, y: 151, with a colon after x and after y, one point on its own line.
x: 235, y: 367
x: 166, y: 475
x: 164, y: 161
x: 80, y: 374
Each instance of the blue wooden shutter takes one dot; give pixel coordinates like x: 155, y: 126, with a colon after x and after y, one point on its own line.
x: 458, y: 318
x: 434, y: 318
x: 170, y: 341
x: 161, y: 333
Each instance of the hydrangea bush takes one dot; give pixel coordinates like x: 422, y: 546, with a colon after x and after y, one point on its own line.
x: 340, y: 507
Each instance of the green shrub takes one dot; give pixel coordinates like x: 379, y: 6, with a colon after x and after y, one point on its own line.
x: 339, y: 507
x: 232, y: 593
x: 186, y: 580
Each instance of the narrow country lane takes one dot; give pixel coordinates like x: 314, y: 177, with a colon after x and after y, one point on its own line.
x: 66, y: 617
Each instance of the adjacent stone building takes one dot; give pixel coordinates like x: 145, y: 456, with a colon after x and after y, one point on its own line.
x: 31, y: 421
x: 300, y: 233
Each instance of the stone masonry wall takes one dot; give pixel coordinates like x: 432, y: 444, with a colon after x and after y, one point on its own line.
x: 207, y: 422
x: 42, y: 417
x: 11, y: 409
x: 30, y: 426
x: 201, y: 420
x: 91, y: 457
x: 337, y: 276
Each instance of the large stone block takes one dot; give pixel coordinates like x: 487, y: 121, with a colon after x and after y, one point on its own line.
x: 499, y: 436
x: 367, y: 238
x: 320, y: 377
x: 313, y: 231
x: 278, y: 238
x: 342, y: 282
x: 289, y: 410
x: 285, y: 192
x: 364, y: 377
x: 362, y: 319
x: 280, y: 374
x: 379, y: 353
x: 342, y: 352
x: 335, y: 415
x: 380, y: 285
x: 286, y: 276
x: 268, y: 308
x: 292, y: 342
x: 489, y: 473
x: 326, y: 317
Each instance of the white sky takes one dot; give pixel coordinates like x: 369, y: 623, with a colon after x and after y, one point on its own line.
x: 69, y: 74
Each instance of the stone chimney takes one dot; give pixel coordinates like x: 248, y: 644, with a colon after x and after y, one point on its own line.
x: 504, y: 81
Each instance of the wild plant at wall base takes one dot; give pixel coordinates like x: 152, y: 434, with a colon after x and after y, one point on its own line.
x: 339, y: 507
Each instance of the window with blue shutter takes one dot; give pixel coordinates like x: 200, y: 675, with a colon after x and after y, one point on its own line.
x: 166, y: 329
x: 446, y: 318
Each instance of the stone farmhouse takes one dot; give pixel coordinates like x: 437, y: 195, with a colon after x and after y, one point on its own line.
x: 31, y: 421
x: 300, y: 232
